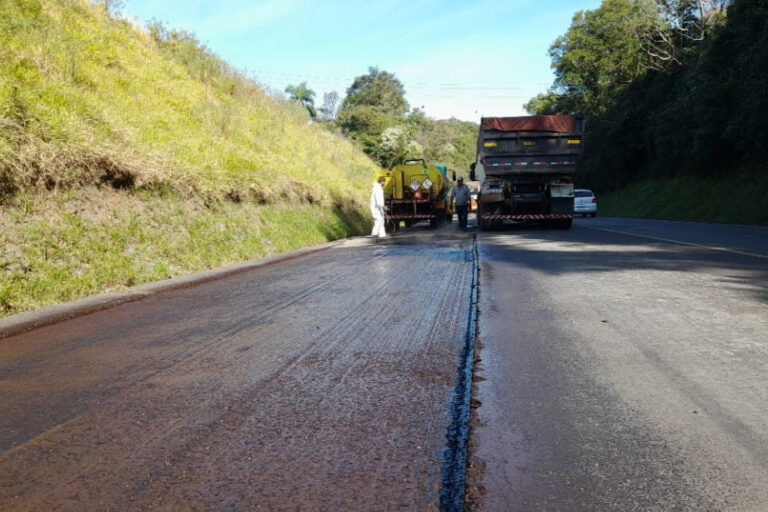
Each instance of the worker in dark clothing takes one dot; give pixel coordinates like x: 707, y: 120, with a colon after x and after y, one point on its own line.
x: 460, y: 197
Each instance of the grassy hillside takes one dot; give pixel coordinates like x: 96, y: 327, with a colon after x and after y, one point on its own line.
x: 129, y: 155
x: 735, y: 199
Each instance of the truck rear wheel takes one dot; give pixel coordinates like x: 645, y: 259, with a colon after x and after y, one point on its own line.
x: 438, y: 219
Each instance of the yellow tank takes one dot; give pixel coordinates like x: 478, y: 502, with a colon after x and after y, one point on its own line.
x: 393, y: 187
x: 412, y: 178
x: 415, y: 191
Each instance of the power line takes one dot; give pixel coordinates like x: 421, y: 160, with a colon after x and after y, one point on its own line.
x: 421, y: 85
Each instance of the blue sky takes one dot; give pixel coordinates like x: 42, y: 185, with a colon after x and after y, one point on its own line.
x: 460, y: 59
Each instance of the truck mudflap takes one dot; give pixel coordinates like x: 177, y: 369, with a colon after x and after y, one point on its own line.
x: 413, y: 216
x: 408, y: 201
x: 536, y: 216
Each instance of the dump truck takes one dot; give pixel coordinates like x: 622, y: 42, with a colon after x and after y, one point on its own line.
x: 416, y: 192
x: 526, y: 168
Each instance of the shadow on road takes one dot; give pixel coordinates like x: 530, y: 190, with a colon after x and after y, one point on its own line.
x: 586, y: 250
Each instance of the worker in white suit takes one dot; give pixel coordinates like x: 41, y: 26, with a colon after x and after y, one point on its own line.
x: 377, y: 209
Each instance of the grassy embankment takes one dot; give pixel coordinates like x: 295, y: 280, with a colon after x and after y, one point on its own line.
x: 128, y: 157
x: 739, y: 198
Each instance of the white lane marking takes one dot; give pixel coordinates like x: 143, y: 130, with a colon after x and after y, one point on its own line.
x: 680, y: 242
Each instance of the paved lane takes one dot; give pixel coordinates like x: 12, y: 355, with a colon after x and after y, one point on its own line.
x: 751, y: 240
x: 620, y: 373
x: 320, y: 383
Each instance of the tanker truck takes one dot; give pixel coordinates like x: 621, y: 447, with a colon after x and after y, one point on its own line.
x: 415, y: 192
x: 526, y: 168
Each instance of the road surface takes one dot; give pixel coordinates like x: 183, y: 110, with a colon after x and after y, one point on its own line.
x: 616, y: 370
x: 319, y: 383
x: 622, y: 372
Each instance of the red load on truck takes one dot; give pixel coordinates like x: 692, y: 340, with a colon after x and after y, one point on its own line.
x: 562, y: 124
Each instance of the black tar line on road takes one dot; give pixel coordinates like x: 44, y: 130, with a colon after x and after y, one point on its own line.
x: 453, y: 492
x: 24, y: 322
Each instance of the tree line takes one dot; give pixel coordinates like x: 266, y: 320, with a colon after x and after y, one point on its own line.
x: 668, y: 87
x: 376, y: 116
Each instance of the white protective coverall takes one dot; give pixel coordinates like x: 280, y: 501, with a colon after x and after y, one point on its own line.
x: 377, y: 210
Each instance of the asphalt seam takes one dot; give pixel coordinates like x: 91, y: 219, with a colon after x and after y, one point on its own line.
x: 455, y: 455
x: 680, y: 242
x: 28, y: 321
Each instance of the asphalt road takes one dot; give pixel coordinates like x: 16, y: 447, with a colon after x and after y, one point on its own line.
x: 749, y: 240
x: 616, y: 370
x: 621, y: 371
x: 319, y: 383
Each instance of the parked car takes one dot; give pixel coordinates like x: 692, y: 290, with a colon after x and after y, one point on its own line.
x: 584, y: 202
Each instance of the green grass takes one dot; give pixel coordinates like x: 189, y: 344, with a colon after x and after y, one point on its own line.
x: 78, y: 88
x: 83, y: 242
x: 130, y: 155
x: 740, y: 198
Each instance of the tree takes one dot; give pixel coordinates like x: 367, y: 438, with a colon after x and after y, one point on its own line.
x: 608, y: 48
x: 375, y: 115
x: 303, y: 95
x: 681, y: 25
x: 374, y: 103
x: 449, y: 142
x: 544, y: 104
x: 378, y: 89
x: 396, y: 144
x: 601, y: 54
x: 330, y: 106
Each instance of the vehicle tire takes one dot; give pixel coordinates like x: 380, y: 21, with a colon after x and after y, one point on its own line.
x: 593, y: 215
x: 439, y: 218
x: 485, y: 225
x: 562, y: 223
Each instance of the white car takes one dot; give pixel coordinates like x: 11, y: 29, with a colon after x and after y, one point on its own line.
x: 584, y: 202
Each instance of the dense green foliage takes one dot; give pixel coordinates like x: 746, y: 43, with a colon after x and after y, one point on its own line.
x: 446, y: 141
x: 608, y: 49
x: 600, y: 54
x: 128, y: 155
x: 379, y: 90
x: 707, y: 117
x: 689, y: 110
x: 375, y: 115
x: 735, y: 198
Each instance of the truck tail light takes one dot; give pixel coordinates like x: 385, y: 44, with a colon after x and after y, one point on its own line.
x: 594, y: 201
